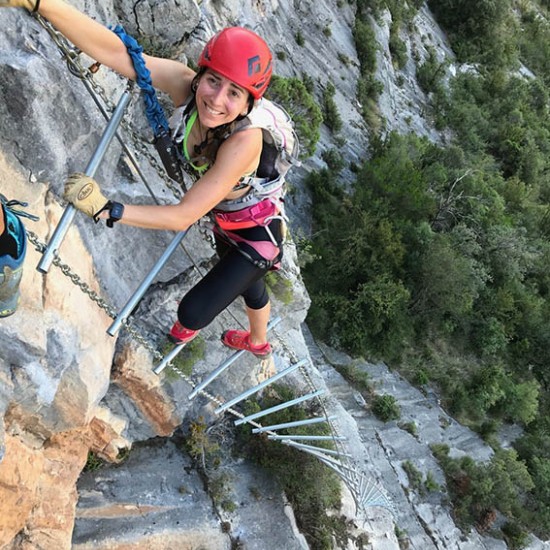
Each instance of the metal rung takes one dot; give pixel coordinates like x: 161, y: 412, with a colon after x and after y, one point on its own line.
x: 308, y: 437
x: 99, y: 153
x: 279, y: 407
x: 371, y: 494
x: 293, y: 424
x: 312, y: 448
x: 146, y: 283
x: 168, y: 357
x: 329, y: 461
x: 227, y: 364
x: 260, y: 386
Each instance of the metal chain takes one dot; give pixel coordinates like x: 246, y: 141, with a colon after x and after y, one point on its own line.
x: 111, y: 312
x: 75, y: 279
x: 86, y: 74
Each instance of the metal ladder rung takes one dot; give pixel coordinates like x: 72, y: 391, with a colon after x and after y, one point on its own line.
x: 349, y: 474
x: 279, y: 407
x: 260, y: 386
x: 226, y: 364
x: 329, y: 461
x: 168, y: 357
x: 296, y: 437
x: 69, y: 213
x: 313, y: 448
x: 293, y: 424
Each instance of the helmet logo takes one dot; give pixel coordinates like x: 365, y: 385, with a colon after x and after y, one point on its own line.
x: 254, y: 65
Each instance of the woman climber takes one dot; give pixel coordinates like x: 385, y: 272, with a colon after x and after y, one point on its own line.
x: 234, y: 71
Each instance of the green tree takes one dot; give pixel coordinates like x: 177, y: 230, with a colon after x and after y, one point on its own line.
x: 479, y: 31
x: 540, y: 503
x: 521, y: 403
x: 386, y: 408
x: 534, y: 43
x: 430, y: 73
x: 331, y: 115
x: 398, y: 48
x: 503, y: 484
x: 365, y: 45
x: 334, y: 159
x: 447, y: 282
x: 511, y: 482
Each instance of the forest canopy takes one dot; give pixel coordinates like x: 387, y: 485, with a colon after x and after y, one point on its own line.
x: 437, y: 259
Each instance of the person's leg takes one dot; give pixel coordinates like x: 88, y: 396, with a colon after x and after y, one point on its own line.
x: 232, y: 276
x: 258, y: 320
x: 258, y: 309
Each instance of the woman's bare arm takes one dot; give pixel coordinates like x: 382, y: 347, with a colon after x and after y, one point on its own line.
x: 104, y: 46
x: 237, y: 156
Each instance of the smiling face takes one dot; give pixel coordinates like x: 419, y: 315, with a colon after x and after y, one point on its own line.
x: 219, y: 100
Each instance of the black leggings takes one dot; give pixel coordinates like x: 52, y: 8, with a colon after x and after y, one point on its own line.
x: 234, y: 275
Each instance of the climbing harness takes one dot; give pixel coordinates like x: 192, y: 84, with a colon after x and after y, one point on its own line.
x: 365, y: 491
x: 259, y: 214
x: 264, y: 202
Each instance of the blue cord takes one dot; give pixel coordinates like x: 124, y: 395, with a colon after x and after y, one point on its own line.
x: 153, y: 109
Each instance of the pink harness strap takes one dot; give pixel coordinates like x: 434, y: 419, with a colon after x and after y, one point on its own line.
x: 257, y: 214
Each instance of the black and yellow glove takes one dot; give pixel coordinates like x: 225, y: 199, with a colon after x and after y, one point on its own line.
x: 84, y: 193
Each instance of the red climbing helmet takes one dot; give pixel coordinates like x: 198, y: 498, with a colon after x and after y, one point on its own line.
x: 240, y: 55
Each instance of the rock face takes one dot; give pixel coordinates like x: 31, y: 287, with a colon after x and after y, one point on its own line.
x: 67, y: 388
x: 153, y: 500
x: 39, y: 490
x: 157, y: 500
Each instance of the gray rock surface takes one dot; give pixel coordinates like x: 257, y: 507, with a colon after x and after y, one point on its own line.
x: 382, y: 448
x: 154, y: 499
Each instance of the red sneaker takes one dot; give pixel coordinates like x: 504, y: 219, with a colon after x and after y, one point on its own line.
x: 181, y: 335
x: 240, y: 339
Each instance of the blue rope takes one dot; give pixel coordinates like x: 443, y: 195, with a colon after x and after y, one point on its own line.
x: 153, y: 109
